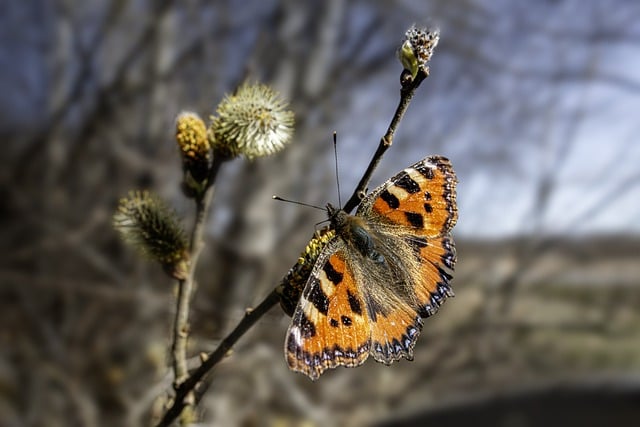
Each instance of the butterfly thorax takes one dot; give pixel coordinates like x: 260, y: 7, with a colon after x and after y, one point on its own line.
x: 354, y: 231
x: 388, y: 266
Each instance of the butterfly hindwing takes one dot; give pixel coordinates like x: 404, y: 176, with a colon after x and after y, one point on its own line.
x: 394, y: 334
x: 438, y: 258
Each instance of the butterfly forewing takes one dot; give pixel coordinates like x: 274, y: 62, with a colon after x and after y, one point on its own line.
x: 330, y: 326
x: 421, y: 197
x: 417, y: 205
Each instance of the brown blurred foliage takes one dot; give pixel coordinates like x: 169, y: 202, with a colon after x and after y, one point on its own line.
x: 90, y: 97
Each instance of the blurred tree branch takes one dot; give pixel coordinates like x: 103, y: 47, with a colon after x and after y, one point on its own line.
x: 63, y: 288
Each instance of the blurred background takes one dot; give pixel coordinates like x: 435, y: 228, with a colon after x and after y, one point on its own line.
x: 535, y: 103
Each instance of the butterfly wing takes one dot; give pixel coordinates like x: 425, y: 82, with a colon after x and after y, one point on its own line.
x: 350, y: 306
x: 393, y: 331
x: 330, y: 325
x: 419, y: 205
x: 415, y: 209
x: 421, y: 198
x: 433, y: 284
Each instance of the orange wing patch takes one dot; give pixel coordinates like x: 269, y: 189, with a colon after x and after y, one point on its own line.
x: 330, y: 326
x: 438, y: 257
x: 394, y: 334
x: 421, y: 197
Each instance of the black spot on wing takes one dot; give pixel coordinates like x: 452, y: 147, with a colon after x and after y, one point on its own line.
x: 334, y: 323
x: 354, y: 303
x: 425, y: 170
x: 415, y: 219
x: 346, y: 320
x: 292, y: 347
x: 374, y: 309
x: 317, y: 297
x: 332, y: 274
x: 407, y: 183
x: 391, y: 200
x: 428, y: 208
x: 426, y: 311
x: 307, y: 328
x: 417, y: 243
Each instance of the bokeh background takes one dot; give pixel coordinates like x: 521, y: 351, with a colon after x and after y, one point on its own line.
x: 535, y: 103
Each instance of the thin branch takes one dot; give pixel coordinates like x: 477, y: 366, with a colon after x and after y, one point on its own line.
x: 193, y: 381
x: 186, y: 287
x: 185, y: 290
x: 407, y: 91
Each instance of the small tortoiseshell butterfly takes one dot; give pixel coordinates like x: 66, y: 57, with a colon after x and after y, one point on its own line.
x: 387, y: 267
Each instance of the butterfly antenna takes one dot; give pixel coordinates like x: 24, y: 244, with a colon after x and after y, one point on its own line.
x: 320, y: 222
x: 295, y: 202
x: 335, y: 155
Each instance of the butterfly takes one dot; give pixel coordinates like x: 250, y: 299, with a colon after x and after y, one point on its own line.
x: 380, y: 273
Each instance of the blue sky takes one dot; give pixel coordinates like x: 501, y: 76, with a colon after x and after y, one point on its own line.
x: 521, y: 94
x: 562, y: 111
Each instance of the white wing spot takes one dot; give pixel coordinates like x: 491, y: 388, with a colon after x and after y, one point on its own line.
x: 415, y: 175
x: 326, y: 285
x: 296, y: 335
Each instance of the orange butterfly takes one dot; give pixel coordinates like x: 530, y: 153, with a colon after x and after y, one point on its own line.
x: 387, y: 267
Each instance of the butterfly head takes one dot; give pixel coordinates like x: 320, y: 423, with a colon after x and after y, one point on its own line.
x: 337, y: 217
x: 332, y: 211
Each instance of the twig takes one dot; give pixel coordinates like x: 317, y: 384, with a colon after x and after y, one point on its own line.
x: 185, y: 289
x: 189, y: 385
x: 406, y: 94
x: 186, y: 286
